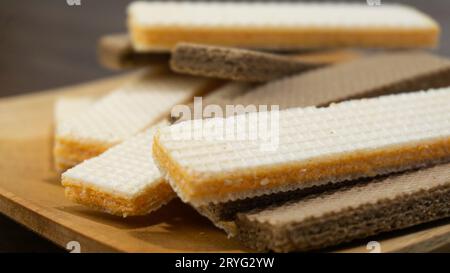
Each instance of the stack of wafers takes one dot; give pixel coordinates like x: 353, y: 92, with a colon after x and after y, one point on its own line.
x: 276, y: 121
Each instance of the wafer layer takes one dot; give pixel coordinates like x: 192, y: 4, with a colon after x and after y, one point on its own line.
x: 124, y: 113
x: 365, y: 77
x: 332, y: 218
x: 371, y: 76
x: 122, y: 181
x: 159, y: 26
x: 65, y: 108
x: 223, y: 215
x: 235, y: 64
x: 305, y: 146
x: 116, y: 52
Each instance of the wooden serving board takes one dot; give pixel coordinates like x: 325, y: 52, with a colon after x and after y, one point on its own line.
x: 31, y: 194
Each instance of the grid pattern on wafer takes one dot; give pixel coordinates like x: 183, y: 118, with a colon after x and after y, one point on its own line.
x: 313, y: 132
x: 65, y: 108
x: 234, y: 63
x: 371, y: 76
x: 125, y: 170
x: 367, y: 75
x: 307, y: 136
x: 276, y: 15
x: 131, y: 109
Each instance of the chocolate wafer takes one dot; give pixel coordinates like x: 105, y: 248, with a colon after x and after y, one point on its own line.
x: 347, y: 214
x: 365, y: 77
x: 235, y: 64
x: 370, y: 76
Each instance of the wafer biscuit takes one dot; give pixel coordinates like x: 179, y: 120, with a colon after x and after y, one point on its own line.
x: 124, y: 113
x: 159, y: 26
x: 344, y: 215
x: 305, y: 146
x: 116, y: 52
x: 223, y: 215
x: 372, y: 76
x: 365, y: 77
x: 235, y: 64
x: 65, y: 108
x: 122, y: 181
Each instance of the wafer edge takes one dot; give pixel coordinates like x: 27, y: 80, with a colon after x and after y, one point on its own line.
x: 197, y: 191
x: 148, y: 200
x: 164, y: 38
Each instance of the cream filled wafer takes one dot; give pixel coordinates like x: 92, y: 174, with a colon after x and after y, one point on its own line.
x: 99, y: 182
x: 122, y: 181
x: 65, y: 108
x: 211, y: 161
x: 124, y: 113
x: 116, y: 52
x: 347, y: 214
x: 91, y: 184
x: 159, y: 26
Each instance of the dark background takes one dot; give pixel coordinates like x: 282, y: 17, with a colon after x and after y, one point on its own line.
x: 47, y: 43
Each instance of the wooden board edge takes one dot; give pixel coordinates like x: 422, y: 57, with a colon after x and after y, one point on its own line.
x: 34, y: 218
x: 40, y: 221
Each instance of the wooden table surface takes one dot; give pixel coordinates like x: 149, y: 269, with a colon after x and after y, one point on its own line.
x: 46, y: 44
